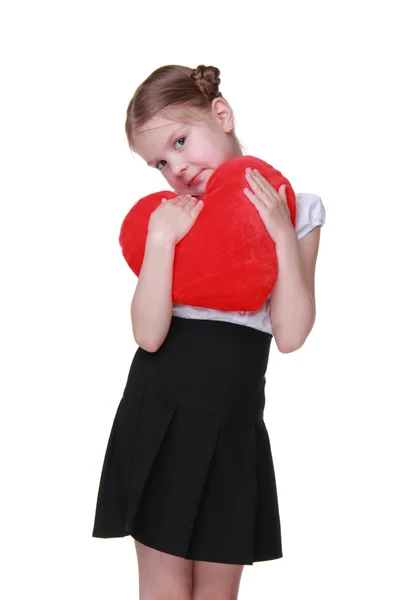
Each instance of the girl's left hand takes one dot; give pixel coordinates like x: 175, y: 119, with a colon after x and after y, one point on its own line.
x: 271, y: 205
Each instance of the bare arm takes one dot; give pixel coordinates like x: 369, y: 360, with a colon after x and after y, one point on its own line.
x: 293, y: 297
x: 151, y: 308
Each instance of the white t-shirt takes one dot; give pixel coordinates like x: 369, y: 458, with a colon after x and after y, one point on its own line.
x: 310, y: 212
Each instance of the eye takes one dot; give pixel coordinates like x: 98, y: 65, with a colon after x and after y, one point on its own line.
x: 182, y: 138
x: 178, y: 140
x: 159, y: 163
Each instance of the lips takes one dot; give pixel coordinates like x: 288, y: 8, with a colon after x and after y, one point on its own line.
x: 195, y: 177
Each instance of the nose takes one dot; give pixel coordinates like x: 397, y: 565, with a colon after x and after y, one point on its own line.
x: 178, y: 168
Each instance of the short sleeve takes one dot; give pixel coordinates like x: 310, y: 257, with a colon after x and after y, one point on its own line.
x: 310, y: 212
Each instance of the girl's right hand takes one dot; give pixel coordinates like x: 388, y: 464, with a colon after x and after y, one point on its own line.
x: 173, y: 219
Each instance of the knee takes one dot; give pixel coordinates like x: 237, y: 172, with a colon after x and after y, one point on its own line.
x: 207, y: 594
x: 165, y: 594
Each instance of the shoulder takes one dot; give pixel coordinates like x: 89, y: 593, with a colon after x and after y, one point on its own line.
x: 310, y: 212
x: 310, y: 217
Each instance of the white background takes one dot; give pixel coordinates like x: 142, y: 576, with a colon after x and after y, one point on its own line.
x: 313, y: 88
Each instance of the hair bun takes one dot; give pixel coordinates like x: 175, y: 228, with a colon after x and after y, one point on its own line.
x: 207, y: 80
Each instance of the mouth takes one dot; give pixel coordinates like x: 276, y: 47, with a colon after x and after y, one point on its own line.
x: 193, y: 180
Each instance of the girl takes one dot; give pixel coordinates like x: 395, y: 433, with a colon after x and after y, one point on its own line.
x: 188, y: 470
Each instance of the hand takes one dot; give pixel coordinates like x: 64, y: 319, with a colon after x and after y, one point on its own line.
x: 174, y: 218
x: 271, y: 205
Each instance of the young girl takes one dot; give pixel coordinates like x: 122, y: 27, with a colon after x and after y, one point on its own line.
x: 188, y: 470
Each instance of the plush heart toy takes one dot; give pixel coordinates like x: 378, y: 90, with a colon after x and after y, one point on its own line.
x: 227, y: 261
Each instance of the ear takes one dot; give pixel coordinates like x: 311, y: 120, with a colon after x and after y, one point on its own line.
x: 223, y: 113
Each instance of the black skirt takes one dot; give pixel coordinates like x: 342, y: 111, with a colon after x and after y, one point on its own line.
x: 188, y: 467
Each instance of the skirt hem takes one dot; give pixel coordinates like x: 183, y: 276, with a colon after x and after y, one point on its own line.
x: 201, y: 557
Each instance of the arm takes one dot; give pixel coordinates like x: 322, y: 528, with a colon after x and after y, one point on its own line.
x: 292, y: 304
x: 151, y: 308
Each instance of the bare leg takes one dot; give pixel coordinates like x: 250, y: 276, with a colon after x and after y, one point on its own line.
x: 163, y: 576
x: 215, y: 580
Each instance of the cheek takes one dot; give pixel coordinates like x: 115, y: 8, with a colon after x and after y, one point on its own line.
x: 208, y: 155
x: 167, y: 177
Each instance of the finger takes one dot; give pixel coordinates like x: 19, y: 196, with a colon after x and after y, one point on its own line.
x: 269, y: 189
x: 253, y: 197
x: 254, y: 181
x: 263, y: 182
x: 261, y: 194
x: 196, y: 209
x: 181, y: 201
x: 271, y: 195
x: 190, y: 203
x: 282, y: 192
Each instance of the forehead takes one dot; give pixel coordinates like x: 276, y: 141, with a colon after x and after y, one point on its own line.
x: 154, y: 138
x: 183, y: 115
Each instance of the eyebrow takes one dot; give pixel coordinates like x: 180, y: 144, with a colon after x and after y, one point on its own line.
x: 173, y: 134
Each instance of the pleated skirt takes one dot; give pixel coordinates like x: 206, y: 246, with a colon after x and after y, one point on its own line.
x: 188, y: 467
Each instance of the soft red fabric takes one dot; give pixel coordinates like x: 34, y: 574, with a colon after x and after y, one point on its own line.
x: 227, y: 261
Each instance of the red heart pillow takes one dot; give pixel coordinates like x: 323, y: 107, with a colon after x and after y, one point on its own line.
x: 227, y: 261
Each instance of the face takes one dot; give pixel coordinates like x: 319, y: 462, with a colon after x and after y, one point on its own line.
x: 184, y: 151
